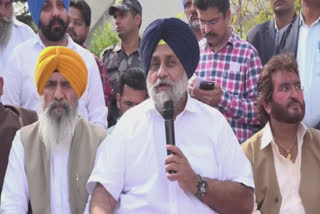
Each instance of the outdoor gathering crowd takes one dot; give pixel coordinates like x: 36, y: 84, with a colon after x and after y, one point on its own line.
x: 186, y: 118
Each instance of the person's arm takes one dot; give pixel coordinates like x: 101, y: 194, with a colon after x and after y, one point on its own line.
x: 96, y: 106
x: 15, y: 192
x: 102, y: 201
x: 239, y: 106
x: 222, y: 196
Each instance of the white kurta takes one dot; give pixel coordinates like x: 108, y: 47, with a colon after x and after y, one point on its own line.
x: 308, y: 57
x: 130, y: 163
x: 19, y: 34
x: 15, y: 192
x: 20, y: 88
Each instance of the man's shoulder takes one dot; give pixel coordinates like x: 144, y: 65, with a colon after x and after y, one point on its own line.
x: 26, y: 116
x: 315, y: 135
x: 109, y: 50
x: 258, y: 29
x: 86, y: 126
x: 253, y: 144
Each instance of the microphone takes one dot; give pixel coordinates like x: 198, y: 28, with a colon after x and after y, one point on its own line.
x: 167, y: 114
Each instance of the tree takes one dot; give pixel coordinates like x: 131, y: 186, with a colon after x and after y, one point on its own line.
x: 22, y: 13
x: 102, y: 38
x: 249, y: 13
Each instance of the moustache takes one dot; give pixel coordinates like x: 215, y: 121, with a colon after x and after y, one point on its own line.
x: 54, y: 104
x: 71, y: 32
x: 210, y: 34
x: 293, y: 102
x: 161, y: 82
x: 5, y: 19
x: 56, y: 20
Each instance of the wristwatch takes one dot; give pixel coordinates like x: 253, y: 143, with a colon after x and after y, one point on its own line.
x: 202, y: 187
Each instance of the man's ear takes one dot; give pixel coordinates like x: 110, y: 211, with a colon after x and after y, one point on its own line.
x: 267, y: 107
x: 118, y: 100
x: 138, y: 19
x: 1, y: 86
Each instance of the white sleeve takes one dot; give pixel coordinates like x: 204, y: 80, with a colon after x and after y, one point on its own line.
x: 15, y: 192
x: 12, y: 82
x: 96, y: 106
x: 109, y: 169
x: 234, y: 164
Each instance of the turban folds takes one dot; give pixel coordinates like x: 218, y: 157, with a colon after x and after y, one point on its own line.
x: 179, y: 37
x: 35, y: 8
x: 65, y: 61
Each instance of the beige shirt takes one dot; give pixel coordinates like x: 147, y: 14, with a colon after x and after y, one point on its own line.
x: 288, y: 173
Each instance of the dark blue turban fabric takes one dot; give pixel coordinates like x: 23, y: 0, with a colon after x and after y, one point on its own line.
x: 180, y: 38
x: 35, y: 8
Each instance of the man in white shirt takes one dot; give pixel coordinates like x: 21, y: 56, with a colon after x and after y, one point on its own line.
x: 285, y: 154
x: 132, y: 169
x: 51, y: 17
x: 50, y: 161
x: 12, y: 32
x: 308, y: 57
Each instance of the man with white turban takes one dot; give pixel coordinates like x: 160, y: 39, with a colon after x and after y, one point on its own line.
x: 51, y: 18
x: 132, y: 172
x: 50, y: 161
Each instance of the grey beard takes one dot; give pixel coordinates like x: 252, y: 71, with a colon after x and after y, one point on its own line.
x: 57, y: 133
x: 5, y: 32
x: 179, y: 89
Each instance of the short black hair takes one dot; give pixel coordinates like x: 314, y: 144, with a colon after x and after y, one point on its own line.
x: 84, y: 10
x: 222, y: 5
x: 134, y: 78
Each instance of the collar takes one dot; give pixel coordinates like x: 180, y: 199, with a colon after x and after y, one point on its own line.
x: 71, y: 44
x: 267, y: 137
x: 232, y: 40
x: 301, y: 21
x: 118, y: 47
x: 275, y: 22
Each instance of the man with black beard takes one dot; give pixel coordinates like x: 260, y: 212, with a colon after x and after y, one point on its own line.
x: 50, y: 161
x: 285, y: 154
x: 132, y: 169
x: 51, y: 17
x: 12, y: 32
x: 191, y: 14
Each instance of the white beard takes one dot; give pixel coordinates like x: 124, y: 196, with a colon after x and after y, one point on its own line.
x: 5, y: 32
x: 179, y: 89
x: 57, y: 130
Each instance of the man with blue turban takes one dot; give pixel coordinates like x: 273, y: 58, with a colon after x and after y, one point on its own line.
x: 51, y: 18
x: 204, y: 172
x: 51, y: 160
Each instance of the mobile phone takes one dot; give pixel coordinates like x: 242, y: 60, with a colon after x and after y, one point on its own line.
x: 207, y: 85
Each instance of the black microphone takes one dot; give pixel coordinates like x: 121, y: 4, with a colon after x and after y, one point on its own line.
x: 167, y: 113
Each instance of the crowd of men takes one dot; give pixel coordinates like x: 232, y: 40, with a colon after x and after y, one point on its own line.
x: 188, y: 118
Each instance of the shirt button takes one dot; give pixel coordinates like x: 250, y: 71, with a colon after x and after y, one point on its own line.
x: 276, y: 200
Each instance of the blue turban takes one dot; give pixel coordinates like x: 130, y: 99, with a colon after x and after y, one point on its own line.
x: 180, y: 38
x: 35, y: 8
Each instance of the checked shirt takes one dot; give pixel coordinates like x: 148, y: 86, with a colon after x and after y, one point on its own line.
x: 236, y: 68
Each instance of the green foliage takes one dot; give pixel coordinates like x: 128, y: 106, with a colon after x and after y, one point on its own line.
x: 248, y: 13
x: 22, y: 13
x: 102, y: 38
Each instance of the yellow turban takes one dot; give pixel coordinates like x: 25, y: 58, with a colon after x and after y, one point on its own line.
x: 67, y: 62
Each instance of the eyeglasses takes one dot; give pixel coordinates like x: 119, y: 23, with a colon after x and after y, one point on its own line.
x: 209, y: 23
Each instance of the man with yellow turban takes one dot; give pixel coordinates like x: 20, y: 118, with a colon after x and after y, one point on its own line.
x: 204, y: 172
x: 51, y: 160
x: 51, y: 17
